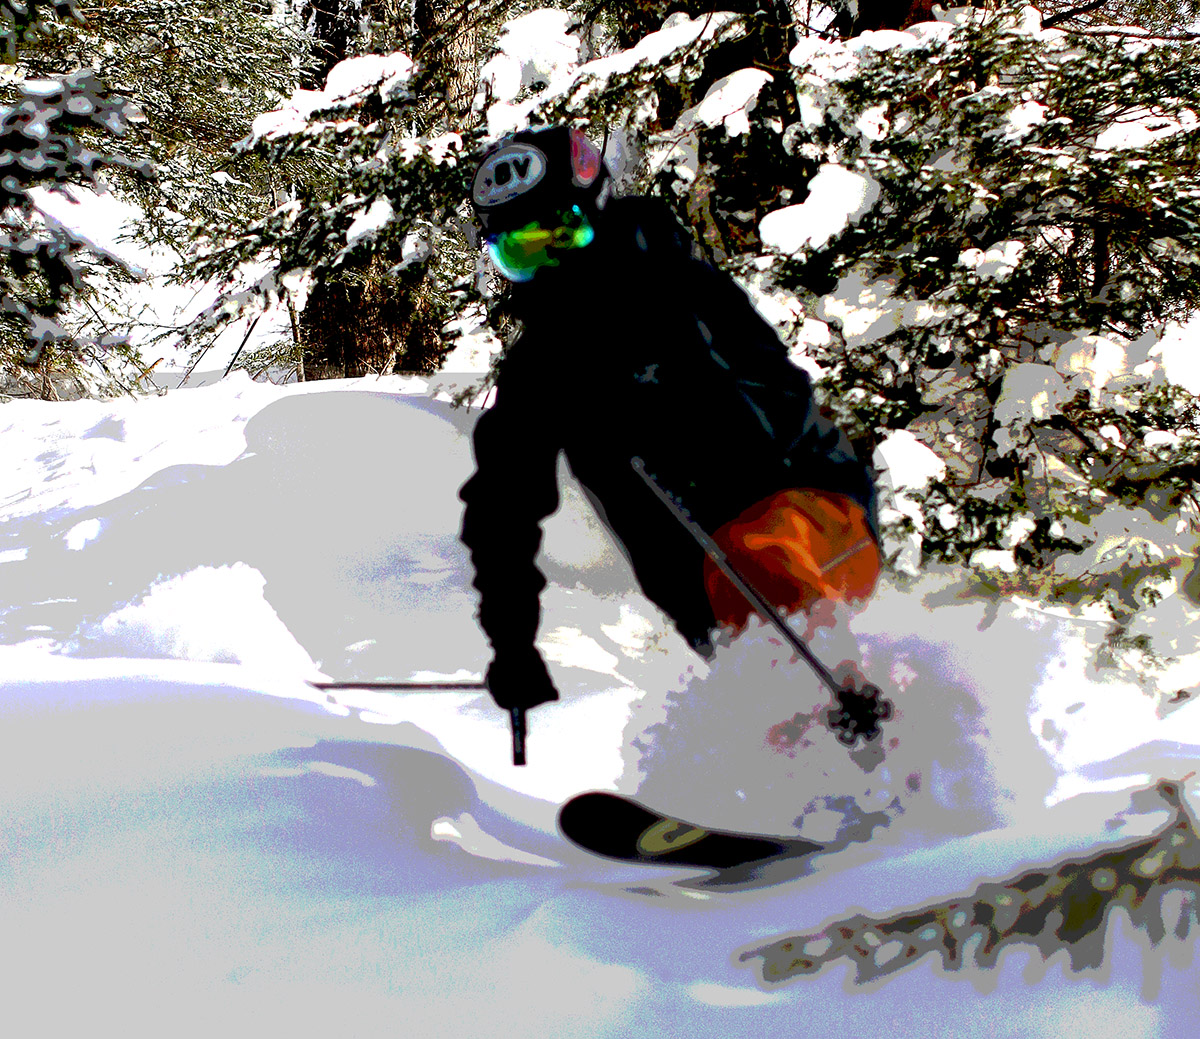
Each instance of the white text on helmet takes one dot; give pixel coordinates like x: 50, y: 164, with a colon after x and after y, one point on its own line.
x: 508, y: 173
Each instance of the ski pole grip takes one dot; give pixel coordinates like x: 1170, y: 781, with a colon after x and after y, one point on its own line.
x: 518, y: 734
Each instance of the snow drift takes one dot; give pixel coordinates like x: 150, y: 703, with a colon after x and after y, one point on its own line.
x: 197, y: 842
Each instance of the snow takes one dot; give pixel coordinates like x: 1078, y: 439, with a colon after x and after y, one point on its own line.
x: 1119, y: 532
x: 156, y: 301
x: 837, y: 59
x: 997, y: 262
x: 907, y: 462
x: 1140, y: 130
x: 171, y: 621
x: 827, y: 60
x: 995, y: 559
x: 653, y: 51
x: 1179, y: 357
x: 837, y: 197
x: 1028, y: 391
x: 866, y: 311
x: 477, y: 344
x: 90, y: 216
x: 1090, y: 361
x: 778, y: 306
x: 189, y: 825
x: 348, y: 82
x: 536, y: 48
x: 42, y: 87
x: 729, y: 101
x: 1023, y: 118
x: 883, y: 40
x: 370, y: 221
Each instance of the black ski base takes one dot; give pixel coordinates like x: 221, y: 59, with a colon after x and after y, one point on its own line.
x: 620, y: 828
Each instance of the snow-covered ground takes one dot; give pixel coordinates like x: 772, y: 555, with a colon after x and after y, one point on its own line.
x: 195, y: 842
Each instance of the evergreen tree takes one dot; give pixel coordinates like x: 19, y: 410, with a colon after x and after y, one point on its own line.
x: 1022, y: 226
x: 195, y: 75
x: 200, y: 72
x: 1010, y: 234
x: 55, y: 132
x: 388, y: 188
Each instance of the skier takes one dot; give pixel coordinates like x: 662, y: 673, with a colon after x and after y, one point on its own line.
x: 632, y: 348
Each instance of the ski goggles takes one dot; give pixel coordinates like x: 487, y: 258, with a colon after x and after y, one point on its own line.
x: 522, y: 252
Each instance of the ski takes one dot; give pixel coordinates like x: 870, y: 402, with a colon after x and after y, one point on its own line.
x: 621, y: 828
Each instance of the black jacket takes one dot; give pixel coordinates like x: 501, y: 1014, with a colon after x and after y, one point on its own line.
x: 635, y: 348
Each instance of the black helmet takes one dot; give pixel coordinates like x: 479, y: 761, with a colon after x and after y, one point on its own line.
x: 532, y: 173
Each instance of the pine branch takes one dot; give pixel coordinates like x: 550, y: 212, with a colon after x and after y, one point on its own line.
x: 1063, y: 906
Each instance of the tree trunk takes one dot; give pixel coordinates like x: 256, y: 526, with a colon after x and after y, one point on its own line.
x: 447, y: 41
x: 1101, y: 259
x: 297, y: 342
x: 333, y: 25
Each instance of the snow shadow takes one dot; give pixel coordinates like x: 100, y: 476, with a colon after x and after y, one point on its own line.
x: 336, y: 528
x: 308, y: 795
x: 332, y: 540
x: 252, y: 856
x: 170, y: 846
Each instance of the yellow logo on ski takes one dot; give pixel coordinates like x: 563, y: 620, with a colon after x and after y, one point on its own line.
x: 667, y: 835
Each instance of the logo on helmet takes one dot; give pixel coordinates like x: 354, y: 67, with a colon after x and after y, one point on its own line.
x: 508, y: 173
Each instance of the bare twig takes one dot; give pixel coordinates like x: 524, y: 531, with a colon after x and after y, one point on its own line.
x: 147, y: 371
x: 1071, y: 12
x: 245, y: 339
x: 1138, y: 34
x: 188, y: 374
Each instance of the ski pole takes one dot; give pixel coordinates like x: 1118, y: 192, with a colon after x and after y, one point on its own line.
x: 516, y: 714
x: 869, y: 694
x: 742, y: 584
x: 443, y: 687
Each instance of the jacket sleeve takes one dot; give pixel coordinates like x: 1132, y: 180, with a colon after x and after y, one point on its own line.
x: 513, y: 489
x: 776, y: 407
x: 766, y: 401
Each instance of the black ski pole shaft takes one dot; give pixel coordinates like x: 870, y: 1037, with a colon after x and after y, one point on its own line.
x: 516, y: 714
x: 752, y: 594
x: 410, y: 687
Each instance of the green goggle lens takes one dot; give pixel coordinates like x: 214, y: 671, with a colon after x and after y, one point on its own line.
x: 520, y: 253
